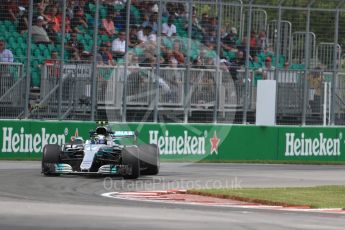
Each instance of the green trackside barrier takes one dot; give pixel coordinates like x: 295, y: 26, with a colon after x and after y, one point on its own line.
x: 191, y: 142
x: 188, y: 142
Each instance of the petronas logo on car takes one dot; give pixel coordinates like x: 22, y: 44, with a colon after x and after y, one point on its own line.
x: 307, y: 146
x: 184, y: 144
x: 23, y: 142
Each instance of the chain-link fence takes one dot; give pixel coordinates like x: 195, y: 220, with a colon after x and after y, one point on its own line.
x: 171, y: 61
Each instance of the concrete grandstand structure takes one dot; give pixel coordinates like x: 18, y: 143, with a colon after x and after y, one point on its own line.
x: 202, y: 69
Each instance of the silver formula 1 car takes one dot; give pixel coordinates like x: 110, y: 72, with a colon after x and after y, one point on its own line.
x: 105, y: 153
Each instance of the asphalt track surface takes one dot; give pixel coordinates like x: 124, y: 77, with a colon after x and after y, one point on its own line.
x: 29, y: 200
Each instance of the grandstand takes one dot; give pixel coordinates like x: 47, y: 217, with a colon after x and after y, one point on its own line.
x: 205, y: 71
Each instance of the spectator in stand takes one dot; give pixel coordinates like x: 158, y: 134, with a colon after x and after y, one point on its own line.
x: 22, y: 26
x: 39, y: 8
x: 6, y: 55
x: 197, y: 30
x: 315, y: 81
x: 211, y: 38
x: 256, y: 66
x: 177, y: 54
x: 54, y: 70
x: 133, y: 36
x: 105, y: 52
x: 243, y: 45
x: 268, y: 64
x: 169, y: 60
x: 51, y: 16
x: 78, y: 20
x: 262, y: 41
x: 236, y: 64
x: 75, y: 57
x: 87, y: 57
x: 255, y: 63
x: 146, y: 34
x: 120, y: 18
x: 230, y: 40
x: 8, y: 10
x: 152, y: 22
x: 200, y: 61
x: 69, y: 8
x: 169, y: 29
x: 119, y: 45
x: 108, y: 25
x: 52, y: 34
x: 205, y: 21
x: 266, y: 53
x: 253, y: 44
x: 39, y: 34
x: 73, y: 45
x: 267, y: 69
x: 213, y: 25
x: 181, y: 11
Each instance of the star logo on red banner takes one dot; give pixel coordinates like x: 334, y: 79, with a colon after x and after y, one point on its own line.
x: 214, y: 143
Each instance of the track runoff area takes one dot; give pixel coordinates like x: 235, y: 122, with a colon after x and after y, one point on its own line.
x: 29, y: 200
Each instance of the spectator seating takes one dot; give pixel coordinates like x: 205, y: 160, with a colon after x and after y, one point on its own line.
x: 41, y: 52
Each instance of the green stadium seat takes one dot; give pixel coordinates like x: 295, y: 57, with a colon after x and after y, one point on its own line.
x: 37, y: 53
x: 120, y: 61
x: 18, y: 52
x: 2, y: 29
x: 80, y: 37
x: 23, y: 46
x: 46, y: 53
x: 35, y: 79
x: 103, y: 11
x: 20, y: 40
x: 88, y: 36
x: 92, y: 8
x: 88, y: 17
x: 136, y: 15
x: 50, y: 47
x: 138, y: 51
x: 230, y: 54
x: 118, y: 7
x: 42, y: 47
x: 10, y: 27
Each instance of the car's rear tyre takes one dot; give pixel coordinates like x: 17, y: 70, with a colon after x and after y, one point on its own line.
x: 130, y: 157
x: 149, y: 159
x: 50, y: 157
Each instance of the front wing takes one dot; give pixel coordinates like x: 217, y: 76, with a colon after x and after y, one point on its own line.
x: 109, y: 170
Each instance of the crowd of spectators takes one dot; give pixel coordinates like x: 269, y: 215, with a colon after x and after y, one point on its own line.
x: 80, y: 23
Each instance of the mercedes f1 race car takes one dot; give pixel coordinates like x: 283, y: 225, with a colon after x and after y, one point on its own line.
x: 105, y: 153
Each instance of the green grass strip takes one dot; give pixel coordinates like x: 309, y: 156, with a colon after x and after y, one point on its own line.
x: 313, y: 197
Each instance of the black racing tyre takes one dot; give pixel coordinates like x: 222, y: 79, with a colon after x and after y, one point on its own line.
x: 50, y: 157
x: 130, y: 156
x: 149, y: 159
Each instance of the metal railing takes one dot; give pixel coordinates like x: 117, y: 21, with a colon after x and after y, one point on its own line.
x: 203, y: 87
x: 12, y: 88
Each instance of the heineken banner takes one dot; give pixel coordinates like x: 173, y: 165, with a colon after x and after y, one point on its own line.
x: 186, y: 142
x: 25, y: 139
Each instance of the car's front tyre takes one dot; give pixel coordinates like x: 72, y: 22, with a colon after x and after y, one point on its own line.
x: 50, y: 157
x: 149, y: 159
x: 130, y: 157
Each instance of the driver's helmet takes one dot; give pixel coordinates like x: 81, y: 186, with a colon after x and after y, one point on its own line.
x: 100, y: 139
